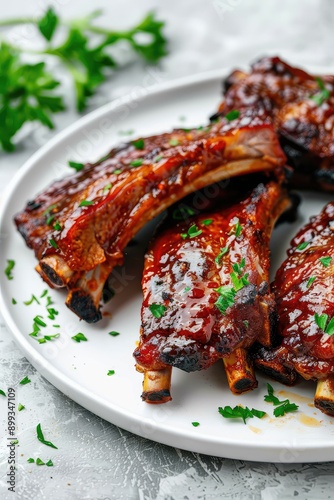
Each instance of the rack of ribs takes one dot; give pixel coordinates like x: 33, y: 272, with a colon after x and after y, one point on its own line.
x: 206, y: 292
x: 301, y: 107
x: 304, y: 291
x: 79, y: 226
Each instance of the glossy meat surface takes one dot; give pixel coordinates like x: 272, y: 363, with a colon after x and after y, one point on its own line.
x: 208, y: 279
x: 304, y: 290
x: 301, y: 107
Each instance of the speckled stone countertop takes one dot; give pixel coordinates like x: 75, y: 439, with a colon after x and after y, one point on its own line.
x: 97, y: 460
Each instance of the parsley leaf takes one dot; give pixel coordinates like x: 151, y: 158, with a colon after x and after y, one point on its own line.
x: 192, y: 232
x: 223, y: 251
x: 195, y: 424
x: 323, y: 324
x: 140, y: 144
x: 48, y: 24
x: 303, y: 245
x: 325, y: 261
x: 25, y: 381
x: 322, y: 95
x: 206, y: 222
x: 80, y: 337
x: 282, y: 407
x: 9, y: 268
x: 76, y: 165
x: 41, y: 438
x: 2, y: 393
x: 310, y: 281
x: 158, y: 310
x: 111, y: 372
x: 240, y: 412
x: 232, y: 115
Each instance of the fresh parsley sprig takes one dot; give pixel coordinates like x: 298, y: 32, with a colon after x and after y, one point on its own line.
x: 27, y: 90
x: 282, y: 407
x: 240, y: 412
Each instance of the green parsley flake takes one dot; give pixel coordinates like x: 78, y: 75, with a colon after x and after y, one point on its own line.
x: 39, y: 321
x: 240, y: 412
x: 57, y: 226
x: 45, y: 292
x: 232, y: 115
x: 53, y: 243
x: 325, y: 261
x: 14, y: 301
x: 187, y: 289
x: 193, y: 231
x: 282, y: 407
x: 114, y: 334
x: 117, y: 171
x: 323, y: 323
x: 77, y: 166
x: 238, y: 229
x: 2, y: 393
x: 174, y: 142
x: 182, y: 213
x: 158, y: 310
x: 86, y: 203
x: 33, y: 299
x: 225, y: 299
x: 195, y: 424
x: 303, y: 245
x: 20, y: 407
x: 323, y: 94
x: 206, y: 222
x: 310, y: 281
x: 107, y: 187
x: 9, y: 268
x: 31, y: 460
x: 140, y: 144
x: 136, y: 163
x: 79, y: 337
x: 223, y: 251
x: 111, y: 372
x: 39, y: 461
x: 157, y: 158
x: 41, y: 438
x: 25, y: 380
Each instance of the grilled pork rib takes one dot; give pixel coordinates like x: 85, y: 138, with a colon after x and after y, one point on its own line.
x: 304, y: 290
x: 301, y: 107
x: 206, y: 292
x: 80, y: 225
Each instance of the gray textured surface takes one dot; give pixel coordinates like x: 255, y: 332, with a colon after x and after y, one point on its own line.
x: 96, y: 460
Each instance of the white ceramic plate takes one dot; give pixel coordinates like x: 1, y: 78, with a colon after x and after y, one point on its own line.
x: 79, y: 370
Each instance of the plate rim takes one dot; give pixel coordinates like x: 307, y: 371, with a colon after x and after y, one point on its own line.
x: 92, y: 401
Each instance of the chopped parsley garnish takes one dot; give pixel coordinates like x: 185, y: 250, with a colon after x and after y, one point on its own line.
x: 114, y: 334
x: 325, y: 261
x: 20, y: 407
x: 107, y: 187
x: 193, y: 231
x: 238, y: 280
x: 323, y: 323
x: 158, y: 310
x: 195, y: 424
x: 9, y: 268
x: 206, y: 222
x: 53, y: 243
x: 303, y: 245
x: 41, y: 438
x: 31, y: 460
x: 52, y: 313
x: 2, y: 393
x: 79, y: 337
x: 25, y: 380
x: 240, y: 412
x: 140, y: 144
x: 157, y: 158
x: 46, y: 338
x: 33, y: 299
x: 117, y: 171
x: 282, y: 407
x: 111, y: 372
x: 310, y: 281
x: 225, y: 299
x: 57, y: 226
x: 223, y: 251
x: 49, y: 463
x: 182, y: 213
x: 14, y: 301
x: 49, y: 216
x: 86, y: 203
x: 39, y: 321
x: 232, y: 115
x: 246, y: 323
x: 77, y: 166
x: 323, y: 93
x: 187, y: 289
x: 136, y: 163
x: 174, y: 142
x: 238, y: 229
x: 45, y: 292
x: 39, y: 461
